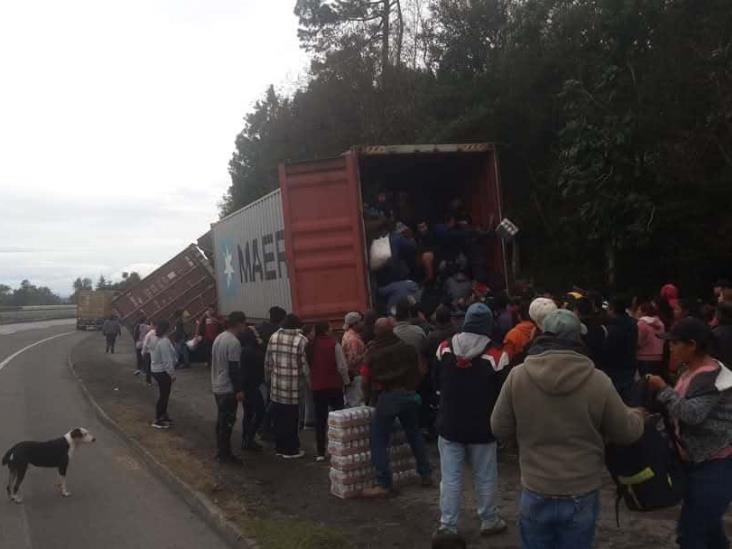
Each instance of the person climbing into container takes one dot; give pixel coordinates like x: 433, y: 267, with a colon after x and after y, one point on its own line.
x: 111, y: 329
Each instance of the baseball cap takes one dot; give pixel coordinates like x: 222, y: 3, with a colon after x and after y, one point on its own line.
x: 351, y: 319
x: 564, y: 324
x: 539, y: 309
x: 689, y: 329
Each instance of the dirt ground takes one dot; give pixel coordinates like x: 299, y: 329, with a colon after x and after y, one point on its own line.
x: 287, y: 504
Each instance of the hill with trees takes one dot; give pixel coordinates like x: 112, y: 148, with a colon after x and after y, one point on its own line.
x: 613, y: 120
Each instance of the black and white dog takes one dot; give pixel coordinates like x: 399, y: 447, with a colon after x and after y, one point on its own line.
x: 54, y: 453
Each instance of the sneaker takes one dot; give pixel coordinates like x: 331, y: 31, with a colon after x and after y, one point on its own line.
x: 320, y: 459
x: 161, y: 425
x: 252, y: 446
x: 299, y: 455
x: 375, y: 492
x: 449, y: 536
x: 167, y: 420
x: 498, y: 527
x: 137, y: 372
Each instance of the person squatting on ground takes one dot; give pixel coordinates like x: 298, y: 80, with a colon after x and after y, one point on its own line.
x: 111, y: 329
x: 394, y: 365
x: 328, y: 375
x: 163, y: 359
x: 561, y: 449
x: 469, y: 376
x: 226, y: 384
x: 700, y: 406
x: 285, y: 365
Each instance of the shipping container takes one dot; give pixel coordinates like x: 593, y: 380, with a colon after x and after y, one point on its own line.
x: 250, y: 260
x: 185, y: 283
x: 323, y: 205
x: 304, y: 246
x: 93, y: 307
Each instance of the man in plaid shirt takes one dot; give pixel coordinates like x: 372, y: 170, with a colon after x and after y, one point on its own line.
x: 286, y: 366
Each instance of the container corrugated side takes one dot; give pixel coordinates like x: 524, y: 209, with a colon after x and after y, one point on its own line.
x: 250, y: 259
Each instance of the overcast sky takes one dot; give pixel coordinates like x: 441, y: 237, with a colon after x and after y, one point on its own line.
x: 117, y: 121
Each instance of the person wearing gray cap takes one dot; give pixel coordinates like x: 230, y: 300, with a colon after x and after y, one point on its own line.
x: 354, y: 350
x: 562, y: 448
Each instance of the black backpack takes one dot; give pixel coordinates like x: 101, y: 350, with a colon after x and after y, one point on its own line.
x: 649, y: 473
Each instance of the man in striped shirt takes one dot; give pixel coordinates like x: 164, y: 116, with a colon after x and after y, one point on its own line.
x: 286, y: 365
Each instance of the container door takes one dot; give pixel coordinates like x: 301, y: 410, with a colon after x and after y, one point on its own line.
x: 324, y: 237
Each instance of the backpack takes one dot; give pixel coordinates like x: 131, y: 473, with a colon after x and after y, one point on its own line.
x: 649, y: 473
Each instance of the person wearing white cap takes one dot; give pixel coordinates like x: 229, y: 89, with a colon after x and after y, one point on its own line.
x: 561, y: 449
x: 539, y: 309
x: 354, y: 350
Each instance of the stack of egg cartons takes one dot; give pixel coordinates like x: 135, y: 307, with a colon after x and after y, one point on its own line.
x: 349, y: 445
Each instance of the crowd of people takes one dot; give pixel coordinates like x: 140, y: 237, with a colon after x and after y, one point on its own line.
x: 557, y: 375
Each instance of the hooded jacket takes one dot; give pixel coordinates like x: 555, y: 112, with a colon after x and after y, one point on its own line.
x: 469, y: 376
x: 562, y: 410
x: 704, y: 415
x: 650, y: 345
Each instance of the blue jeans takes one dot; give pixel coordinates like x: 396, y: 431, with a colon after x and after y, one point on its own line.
x: 708, y: 494
x: 405, y: 406
x: 484, y: 462
x: 558, y: 523
x: 183, y: 354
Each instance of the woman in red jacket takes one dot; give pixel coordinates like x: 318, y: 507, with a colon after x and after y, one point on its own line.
x: 328, y: 373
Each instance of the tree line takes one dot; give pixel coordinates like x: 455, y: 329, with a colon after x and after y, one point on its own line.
x: 613, y: 120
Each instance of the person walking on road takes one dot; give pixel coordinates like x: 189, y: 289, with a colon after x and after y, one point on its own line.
x: 111, y: 329
x: 700, y: 405
x: 226, y: 384
x: 470, y: 375
x: 252, y: 379
x: 285, y: 365
x: 328, y: 374
x: 562, y: 411
x: 394, y: 365
x: 162, y: 366
x: 354, y: 350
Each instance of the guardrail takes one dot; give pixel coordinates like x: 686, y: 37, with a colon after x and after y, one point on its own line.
x: 10, y: 315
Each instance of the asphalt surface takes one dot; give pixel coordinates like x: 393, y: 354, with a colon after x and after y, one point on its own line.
x: 115, y: 501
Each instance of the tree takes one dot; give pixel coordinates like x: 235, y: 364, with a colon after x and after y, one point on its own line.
x: 102, y: 283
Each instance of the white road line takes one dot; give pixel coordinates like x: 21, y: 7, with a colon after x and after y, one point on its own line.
x: 24, y: 349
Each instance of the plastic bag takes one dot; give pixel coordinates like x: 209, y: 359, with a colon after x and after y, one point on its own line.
x: 193, y: 343
x: 380, y: 253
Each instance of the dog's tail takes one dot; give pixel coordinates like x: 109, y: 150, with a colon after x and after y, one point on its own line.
x: 7, y: 457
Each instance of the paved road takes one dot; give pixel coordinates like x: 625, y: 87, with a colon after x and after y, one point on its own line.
x: 116, y: 502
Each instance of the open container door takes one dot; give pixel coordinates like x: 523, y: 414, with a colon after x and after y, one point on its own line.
x: 324, y: 237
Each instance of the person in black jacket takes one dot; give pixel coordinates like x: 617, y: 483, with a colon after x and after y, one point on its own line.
x: 621, y: 343
x: 470, y: 375
x: 252, y: 380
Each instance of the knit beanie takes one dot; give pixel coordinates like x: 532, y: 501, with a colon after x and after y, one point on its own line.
x: 478, y: 320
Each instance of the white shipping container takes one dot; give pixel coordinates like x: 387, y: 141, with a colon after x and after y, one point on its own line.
x: 250, y: 260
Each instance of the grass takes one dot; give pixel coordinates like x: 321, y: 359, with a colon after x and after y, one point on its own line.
x: 283, y: 533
